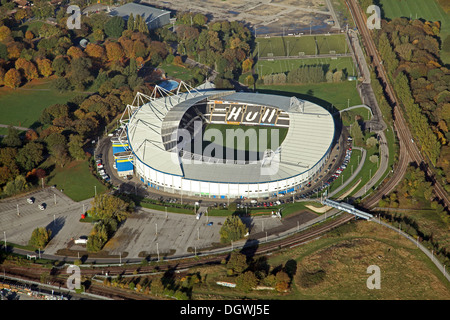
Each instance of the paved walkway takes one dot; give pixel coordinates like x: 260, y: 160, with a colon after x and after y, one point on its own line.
x: 15, y: 127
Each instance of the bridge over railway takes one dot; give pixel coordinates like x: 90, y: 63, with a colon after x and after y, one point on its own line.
x: 347, y: 208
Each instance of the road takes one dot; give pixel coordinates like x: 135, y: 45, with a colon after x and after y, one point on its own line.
x: 403, y: 132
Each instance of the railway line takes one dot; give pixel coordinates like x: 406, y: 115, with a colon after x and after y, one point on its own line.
x: 57, y: 276
x: 408, y: 149
x: 408, y: 152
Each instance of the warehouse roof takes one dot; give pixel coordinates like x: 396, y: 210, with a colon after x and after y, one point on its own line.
x: 147, y: 12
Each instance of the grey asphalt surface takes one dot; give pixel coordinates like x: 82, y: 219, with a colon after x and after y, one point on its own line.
x: 61, y: 218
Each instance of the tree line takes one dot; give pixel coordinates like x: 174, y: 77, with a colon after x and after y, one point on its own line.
x: 107, y: 71
x: 411, y: 56
x: 306, y: 74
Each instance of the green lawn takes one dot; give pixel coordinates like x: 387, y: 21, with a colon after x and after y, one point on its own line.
x: 177, y: 72
x: 264, y: 67
x: 23, y: 106
x: 426, y: 9
x: 76, y: 181
x: 251, y: 133
x: 297, y: 46
x: 325, y: 94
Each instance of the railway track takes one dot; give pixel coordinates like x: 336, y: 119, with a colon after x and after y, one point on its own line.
x: 408, y: 150
x: 56, y: 275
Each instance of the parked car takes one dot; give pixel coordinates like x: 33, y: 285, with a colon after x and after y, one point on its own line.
x: 81, y: 240
x: 30, y: 200
x: 42, y: 206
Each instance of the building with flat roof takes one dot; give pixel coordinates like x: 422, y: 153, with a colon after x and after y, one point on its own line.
x: 153, y: 17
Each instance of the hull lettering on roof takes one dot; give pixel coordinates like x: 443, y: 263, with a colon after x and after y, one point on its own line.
x: 234, y: 113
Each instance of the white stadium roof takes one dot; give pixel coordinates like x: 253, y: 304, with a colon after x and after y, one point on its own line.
x: 309, y: 138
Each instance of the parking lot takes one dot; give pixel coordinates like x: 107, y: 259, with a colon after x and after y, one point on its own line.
x: 61, y: 215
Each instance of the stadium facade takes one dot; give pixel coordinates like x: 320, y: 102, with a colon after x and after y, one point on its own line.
x: 153, y: 139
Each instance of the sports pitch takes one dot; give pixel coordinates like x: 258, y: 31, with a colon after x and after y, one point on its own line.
x: 299, y: 46
x: 250, y: 134
x: 264, y: 67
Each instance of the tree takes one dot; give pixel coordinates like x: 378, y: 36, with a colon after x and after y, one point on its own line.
x: 61, y: 84
x: 8, y: 157
x: 106, y: 207
x: 3, y: 51
x: 30, y: 155
x: 237, y: 262
x: 373, y: 158
x: 98, y: 35
x: 200, y: 19
x: 5, y: 175
x: 95, y: 51
x: 233, y: 229
x: 356, y: 132
x: 30, y: 135
x: 247, y: 65
x: 76, y: 147
x: 114, y: 51
x: 130, y: 22
x: 371, y: 142
x: 15, y: 186
x: 75, y: 52
x: 97, y: 238
x: 14, y: 49
x: 12, y: 78
x: 246, y: 281
x: 40, y: 237
x: 60, y: 66
x: 12, y: 139
x: 29, y: 35
x: 5, y: 34
x: 114, y: 27
x: 282, y: 281
x: 28, y: 68
x: 80, y: 72
x: 44, y: 67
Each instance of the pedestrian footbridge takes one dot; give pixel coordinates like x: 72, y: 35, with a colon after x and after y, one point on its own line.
x: 347, y: 208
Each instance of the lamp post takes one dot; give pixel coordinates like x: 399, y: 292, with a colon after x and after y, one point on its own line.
x: 157, y: 250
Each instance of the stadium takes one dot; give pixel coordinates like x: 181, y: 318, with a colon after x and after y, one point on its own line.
x: 159, y: 138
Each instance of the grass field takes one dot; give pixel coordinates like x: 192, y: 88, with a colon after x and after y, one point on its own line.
x: 324, y: 94
x: 335, y: 266
x: 23, y: 106
x: 297, y: 46
x: 76, y: 181
x: 252, y: 133
x: 177, y: 72
x: 264, y: 67
x: 415, y: 9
